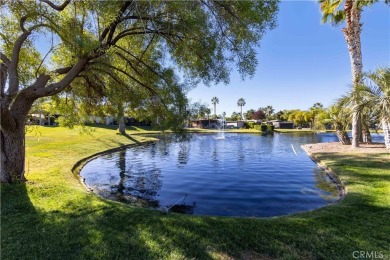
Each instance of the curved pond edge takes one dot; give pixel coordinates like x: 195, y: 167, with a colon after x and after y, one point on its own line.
x: 76, y: 169
x: 329, y: 172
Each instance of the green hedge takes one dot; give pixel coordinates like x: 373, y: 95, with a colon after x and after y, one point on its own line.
x: 249, y: 125
x: 264, y: 128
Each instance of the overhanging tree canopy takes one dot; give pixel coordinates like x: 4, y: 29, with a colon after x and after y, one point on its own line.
x: 202, y: 38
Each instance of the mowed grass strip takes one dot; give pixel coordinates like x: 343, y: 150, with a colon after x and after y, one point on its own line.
x: 52, y: 216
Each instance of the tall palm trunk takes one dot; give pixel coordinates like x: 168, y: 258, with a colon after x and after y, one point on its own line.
x: 352, y: 37
x: 215, y: 109
x: 386, y: 131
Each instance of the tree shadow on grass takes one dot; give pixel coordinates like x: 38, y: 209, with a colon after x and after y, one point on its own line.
x: 372, y: 168
x: 128, y: 128
x: 131, y: 138
x: 94, y: 228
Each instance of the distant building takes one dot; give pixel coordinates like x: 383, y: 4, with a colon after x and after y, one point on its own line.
x: 231, y: 124
x: 205, y: 123
x: 281, y: 124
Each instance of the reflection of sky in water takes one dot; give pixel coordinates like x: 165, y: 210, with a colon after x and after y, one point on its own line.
x: 241, y: 175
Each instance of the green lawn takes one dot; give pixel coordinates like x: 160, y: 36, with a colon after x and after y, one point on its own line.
x: 52, y: 216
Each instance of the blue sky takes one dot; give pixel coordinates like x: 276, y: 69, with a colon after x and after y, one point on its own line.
x: 303, y: 61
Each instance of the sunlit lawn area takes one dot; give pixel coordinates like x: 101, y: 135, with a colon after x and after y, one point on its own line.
x: 52, y: 216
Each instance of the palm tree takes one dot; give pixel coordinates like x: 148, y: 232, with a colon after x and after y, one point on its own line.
x: 241, y: 102
x: 363, y: 108
x: 314, y: 111
x: 338, y: 11
x: 381, y: 98
x: 215, y: 101
x: 299, y: 117
x: 208, y: 112
x: 269, y: 111
x: 340, y: 117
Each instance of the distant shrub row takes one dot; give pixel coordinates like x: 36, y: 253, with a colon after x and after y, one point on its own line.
x: 260, y: 127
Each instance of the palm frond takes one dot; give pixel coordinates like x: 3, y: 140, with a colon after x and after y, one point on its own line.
x: 331, y: 12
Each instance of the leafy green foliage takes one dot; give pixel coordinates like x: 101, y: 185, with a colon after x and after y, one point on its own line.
x: 130, y: 51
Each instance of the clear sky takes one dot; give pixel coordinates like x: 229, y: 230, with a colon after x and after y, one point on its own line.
x: 302, y: 61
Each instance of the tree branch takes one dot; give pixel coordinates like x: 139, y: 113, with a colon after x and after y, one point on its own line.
x: 38, y: 89
x: 151, y: 90
x: 42, y: 61
x: 57, y: 87
x: 147, y: 46
x: 61, y: 71
x: 4, y: 58
x: 56, y: 7
x: 3, y: 78
x: 143, y: 63
x: 112, y: 26
x: 13, y: 66
x: 146, y: 31
x: 128, y: 62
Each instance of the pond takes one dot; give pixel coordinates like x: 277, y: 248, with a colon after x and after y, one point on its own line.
x: 248, y: 175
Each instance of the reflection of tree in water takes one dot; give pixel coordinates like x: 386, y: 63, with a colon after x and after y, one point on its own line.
x: 324, y: 183
x: 240, y: 154
x: 152, y: 150
x: 214, y: 155
x: 184, y: 153
x: 122, y: 169
x: 138, y: 184
x: 163, y: 146
x: 167, y: 142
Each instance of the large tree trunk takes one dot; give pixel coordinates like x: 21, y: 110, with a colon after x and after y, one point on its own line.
x: 13, y: 121
x: 12, y: 154
x: 342, y: 135
x: 121, y: 119
x: 352, y: 37
x: 122, y: 125
x: 386, y: 132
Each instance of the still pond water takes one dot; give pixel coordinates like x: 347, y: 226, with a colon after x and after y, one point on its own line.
x: 203, y: 174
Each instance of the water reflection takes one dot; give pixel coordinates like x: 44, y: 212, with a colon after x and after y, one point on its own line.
x: 137, y: 184
x: 257, y: 175
x: 326, y: 185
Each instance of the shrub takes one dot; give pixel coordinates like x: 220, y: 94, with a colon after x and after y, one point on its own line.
x: 249, y: 125
x: 262, y: 128
x: 257, y: 127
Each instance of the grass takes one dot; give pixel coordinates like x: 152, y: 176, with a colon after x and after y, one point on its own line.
x: 52, y: 216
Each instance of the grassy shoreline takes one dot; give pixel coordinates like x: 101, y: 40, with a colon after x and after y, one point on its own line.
x: 53, y: 216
